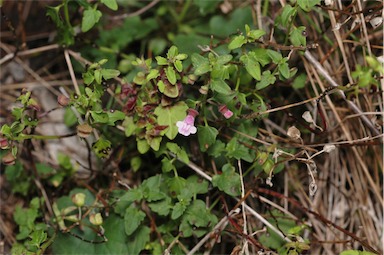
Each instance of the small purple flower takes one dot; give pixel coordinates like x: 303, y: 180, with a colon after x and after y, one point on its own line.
x: 186, y: 127
x: 223, y: 109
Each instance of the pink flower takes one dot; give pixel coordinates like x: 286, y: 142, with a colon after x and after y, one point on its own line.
x: 186, y: 127
x: 225, y: 111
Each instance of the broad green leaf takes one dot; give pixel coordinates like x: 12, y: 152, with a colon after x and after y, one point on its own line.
x: 256, y: 34
x: 196, y: 186
x: 299, y: 81
x: 161, y: 61
x: 99, y: 116
x: 142, y: 145
x: 223, y: 59
x: 228, y: 181
x: 200, y: 64
x: 168, y: 116
x: 153, y: 74
x: 296, y: 36
x: 266, y: 79
x: 237, y: 42
x: 102, y: 147
x: 90, y: 18
x: 238, y: 151
x: 171, y: 75
x: 88, y: 77
x: 176, y: 185
x: 178, y: 65
x: 139, y: 240
x: 132, y: 219
x: 109, y: 73
x: 111, y: 4
x: 206, y: 136
x: 172, y: 52
x: 287, y: 14
x: 178, y: 210
x: 284, y: 69
x: 135, y: 163
x: 162, y: 207
x: 275, y: 56
x: 129, y: 126
x: 220, y: 86
x: 167, y: 165
x: 252, y: 66
x: 114, y: 116
x: 307, y: 5
x: 98, y: 76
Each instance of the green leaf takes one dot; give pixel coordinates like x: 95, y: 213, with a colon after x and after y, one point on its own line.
x: 167, y: 165
x: 178, y: 65
x: 228, y: 181
x: 206, y: 136
x: 162, y: 207
x: 90, y: 18
x: 109, y: 73
x: 70, y: 118
x: 296, y: 36
x: 178, y: 210
x: 252, y: 66
x: 266, y: 79
x: 142, y: 145
x: 176, y: 185
x: 299, y: 81
x: 237, y: 42
x: 161, y: 61
x: 153, y: 74
x: 88, y: 77
x: 200, y: 64
x: 171, y: 75
x: 284, y: 69
x: 102, y: 147
x: 132, y: 219
x: 99, y: 116
x: 356, y: 252
x: 114, y: 116
x: 307, y: 5
x: 287, y: 14
x: 275, y: 56
x: 98, y: 76
x: 111, y: 4
x: 135, y: 163
x: 238, y: 151
x: 256, y: 34
x: 138, y: 242
x: 38, y: 237
x: 129, y: 126
x: 220, y: 86
x: 168, y: 116
x: 196, y: 186
x: 172, y: 52
x: 223, y: 59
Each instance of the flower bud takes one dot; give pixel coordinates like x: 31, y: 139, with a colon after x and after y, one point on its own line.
x: 78, y: 199
x: 84, y: 130
x: 96, y: 219
x: 4, y: 143
x: 223, y: 109
x: 63, y: 100
x: 9, y: 159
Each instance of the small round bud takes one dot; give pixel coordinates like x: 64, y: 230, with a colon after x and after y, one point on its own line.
x: 84, y: 130
x: 63, y: 100
x: 9, y: 159
x: 203, y: 90
x: 78, y: 199
x: 96, y: 219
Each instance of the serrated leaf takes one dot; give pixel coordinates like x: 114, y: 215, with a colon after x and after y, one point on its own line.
x: 111, y: 4
x: 90, y: 18
x: 287, y: 14
x: 88, y: 77
x: 162, y: 207
x: 200, y: 64
x: 223, y: 59
x: 206, y: 136
x: 153, y: 74
x: 171, y: 75
x: 275, y: 56
x: 284, y: 70
x: 178, y: 210
x: 237, y: 42
x: 256, y: 34
x: 228, y: 181
x: 98, y: 76
x: 168, y: 116
x: 132, y: 219
x: 220, y: 86
x: 172, y: 52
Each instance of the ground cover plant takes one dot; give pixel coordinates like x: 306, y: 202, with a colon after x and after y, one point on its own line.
x: 191, y: 127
